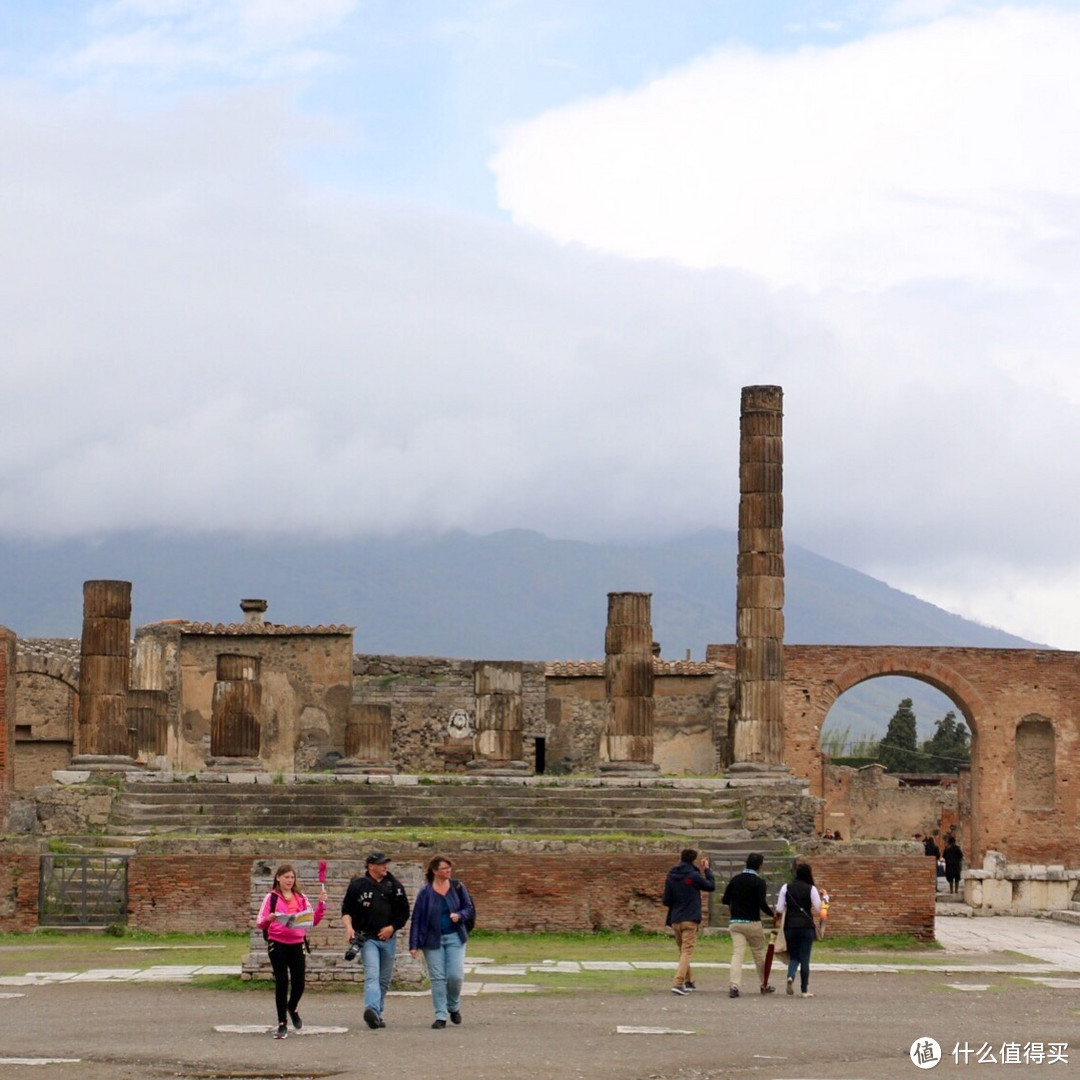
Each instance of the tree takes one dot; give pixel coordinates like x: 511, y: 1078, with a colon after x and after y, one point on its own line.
x: 950, y: 746
x: 898, y: 751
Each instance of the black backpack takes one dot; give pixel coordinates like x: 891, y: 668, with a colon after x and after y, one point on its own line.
x: 462, y: 892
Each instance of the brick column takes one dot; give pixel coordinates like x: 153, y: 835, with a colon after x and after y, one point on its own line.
x: 7, y: 723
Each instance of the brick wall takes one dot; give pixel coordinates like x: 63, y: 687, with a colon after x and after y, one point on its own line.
x: 7, y: 722
x: 523, y: 891
x: 19, y: 875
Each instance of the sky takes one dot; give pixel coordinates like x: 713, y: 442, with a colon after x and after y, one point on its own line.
x: 348, y: 267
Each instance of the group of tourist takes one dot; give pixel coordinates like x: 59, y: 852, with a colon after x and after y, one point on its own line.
x: 797, y: 907
x: 375, y: 907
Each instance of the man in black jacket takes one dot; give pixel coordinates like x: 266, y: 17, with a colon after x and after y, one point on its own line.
x: 375, y: 908
x: 682, y: 897
x: 745, y: 896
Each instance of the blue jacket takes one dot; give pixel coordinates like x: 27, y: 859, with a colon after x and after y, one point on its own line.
x: 427, y: 911
x: 682, y: 892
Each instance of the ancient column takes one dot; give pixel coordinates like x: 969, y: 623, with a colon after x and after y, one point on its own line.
x: 628, y: 684
x: 235, y: 715
x: 500, y: 715
x: 758, y: 718
x: 367, y: 740
x: 104, y: 740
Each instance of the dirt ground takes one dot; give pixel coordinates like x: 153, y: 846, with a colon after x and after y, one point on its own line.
x: 856, y: 1025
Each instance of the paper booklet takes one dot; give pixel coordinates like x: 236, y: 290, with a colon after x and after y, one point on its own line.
x: 300, y: 920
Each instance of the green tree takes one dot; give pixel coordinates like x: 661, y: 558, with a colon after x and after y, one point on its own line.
x: 950, y: 746
x: 898, y: 751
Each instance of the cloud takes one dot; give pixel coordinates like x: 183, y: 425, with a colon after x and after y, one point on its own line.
x: 945, y: 150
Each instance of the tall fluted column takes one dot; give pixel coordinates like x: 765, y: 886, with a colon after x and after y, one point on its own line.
x: 104, y: 739
x: 758, y: 735
x: 628, y: 683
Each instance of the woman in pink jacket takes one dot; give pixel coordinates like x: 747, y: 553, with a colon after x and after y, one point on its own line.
x: 283, y: 907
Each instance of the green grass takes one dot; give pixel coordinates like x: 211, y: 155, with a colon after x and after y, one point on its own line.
x: 80, y: 950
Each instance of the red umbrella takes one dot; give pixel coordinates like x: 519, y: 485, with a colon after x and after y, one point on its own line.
x: 770, y: 952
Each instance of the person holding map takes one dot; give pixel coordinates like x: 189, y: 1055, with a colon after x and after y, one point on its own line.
x: 284, y: 918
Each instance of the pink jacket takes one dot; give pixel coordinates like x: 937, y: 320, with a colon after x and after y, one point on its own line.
x: 287, y: 935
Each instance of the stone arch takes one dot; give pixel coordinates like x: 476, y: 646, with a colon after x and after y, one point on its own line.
x: 46, y: 715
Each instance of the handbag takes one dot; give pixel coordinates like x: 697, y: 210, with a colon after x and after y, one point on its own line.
x: 780, y: 947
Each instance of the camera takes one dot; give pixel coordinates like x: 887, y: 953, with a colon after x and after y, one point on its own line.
x: 355, y: 945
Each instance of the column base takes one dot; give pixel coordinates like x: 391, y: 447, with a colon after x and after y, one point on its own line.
x: 629, y: 768
x: 488, y: 767
x: 235, y: 764
x: 107, y: 763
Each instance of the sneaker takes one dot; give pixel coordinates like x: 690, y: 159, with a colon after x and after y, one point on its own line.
x: 282, y: 1031
x: 680, y: 990
x: 382, y: 1022
x: 806, y: 993
x: 790, y: 987
x: 733, y: 992
x: 439, y: 1025
x: 768, y: 989
x: 455, y: 1018
x: 371, y: 1018
x: 294, y: 1016
x: 688, y: 985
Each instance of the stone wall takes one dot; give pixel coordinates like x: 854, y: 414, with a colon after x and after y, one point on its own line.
x: 1001, y: 888
x: 423, y: 693
x: 869, y: 804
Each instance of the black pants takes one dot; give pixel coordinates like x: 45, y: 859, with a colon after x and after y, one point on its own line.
x: 288, y: 963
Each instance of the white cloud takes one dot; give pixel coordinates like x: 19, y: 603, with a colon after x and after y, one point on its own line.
x: 947, y: 150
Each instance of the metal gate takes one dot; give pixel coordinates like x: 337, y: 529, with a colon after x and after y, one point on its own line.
x: 82, y: 890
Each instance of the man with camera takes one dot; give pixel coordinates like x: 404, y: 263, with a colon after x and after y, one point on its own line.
x: 374, y: 909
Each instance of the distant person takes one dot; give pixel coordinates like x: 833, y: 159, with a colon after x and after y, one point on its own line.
x: 286, y: 942
x: 745, y: 896
x: 682, y: 897
x: 930, y: 848
x: 954, y: 861
x: 438, y: 929
x: 374, y: 909
x: 799, y: 901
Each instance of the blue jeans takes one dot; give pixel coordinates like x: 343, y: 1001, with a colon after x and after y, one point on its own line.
x: 378, y: 957
x: 800, y: 940
x: 446, y: 970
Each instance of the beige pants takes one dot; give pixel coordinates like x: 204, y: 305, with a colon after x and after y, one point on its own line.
x: 685, y: 939
x: 743, y: 934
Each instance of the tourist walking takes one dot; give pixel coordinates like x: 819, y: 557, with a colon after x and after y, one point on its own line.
x: 284, y: 918
x: 440, y: 928
x: 374, y: 909
x: 745, y: 896
x: 954, y: 861
x: 799, y: 901
x: 682, y: 897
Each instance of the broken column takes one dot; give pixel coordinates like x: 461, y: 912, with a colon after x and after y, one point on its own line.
x: 500, y: 716
x: 628, y: 684
x: 367, y: 740
x: 758, y: 713
x: 235, y: 715
x: 103, y: 739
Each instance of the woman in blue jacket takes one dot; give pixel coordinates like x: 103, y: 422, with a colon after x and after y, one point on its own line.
x: 439, y: 928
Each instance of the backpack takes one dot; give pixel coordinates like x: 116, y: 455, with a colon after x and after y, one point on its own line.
x: 462, y: 892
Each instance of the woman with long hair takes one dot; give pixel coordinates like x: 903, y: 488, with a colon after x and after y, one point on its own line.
x: 799, y: 902
x: 285, y: 940
x: 439, y: 928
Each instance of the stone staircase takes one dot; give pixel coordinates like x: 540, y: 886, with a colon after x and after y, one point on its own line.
x: 709, y: 816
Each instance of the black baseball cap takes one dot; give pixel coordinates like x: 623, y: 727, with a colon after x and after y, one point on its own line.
x: 376, y: 857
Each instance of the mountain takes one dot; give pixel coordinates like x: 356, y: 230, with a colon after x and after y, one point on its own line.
x: 514, y: 595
